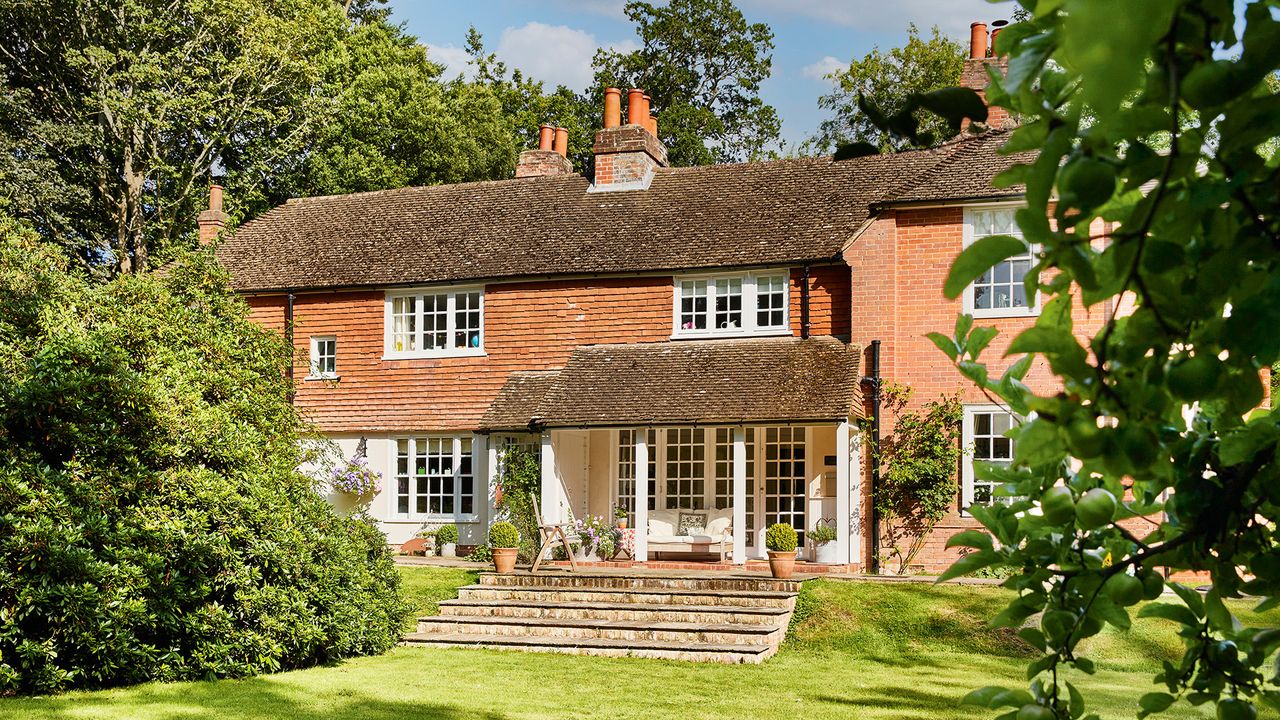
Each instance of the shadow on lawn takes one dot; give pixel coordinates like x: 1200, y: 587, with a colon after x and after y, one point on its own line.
x: 244, y: 699
x: 928, y: 704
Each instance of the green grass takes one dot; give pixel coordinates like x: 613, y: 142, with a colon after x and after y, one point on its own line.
x: 857, y: 650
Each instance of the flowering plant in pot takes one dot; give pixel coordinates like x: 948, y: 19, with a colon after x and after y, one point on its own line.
x: 447, y: 540
x: 590, y: 530
x: 781, y: 540
x: 356, y: 478
x: 823, y: 537
x: 620, y: 517
x: 504, y: 541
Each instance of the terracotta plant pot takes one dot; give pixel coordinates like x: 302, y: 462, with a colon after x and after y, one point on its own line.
x: 622, y: 524
x: 504, y: 559
x: 782, y: 564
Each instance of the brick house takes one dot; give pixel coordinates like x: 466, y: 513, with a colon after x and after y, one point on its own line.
x: 665, y: 338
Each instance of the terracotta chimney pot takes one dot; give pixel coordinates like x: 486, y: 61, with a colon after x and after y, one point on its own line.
x: 653, y: 125
x: 545, y: 134
x: 215, y: 198
x: 635, y: 107
x: 977, y: 40
x: 994, y: 33
x: 211, y: 222
x: 562, y: 141
x: 612, y: 107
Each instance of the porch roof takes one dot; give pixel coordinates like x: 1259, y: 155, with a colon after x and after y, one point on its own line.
x: 516, y: 405
x: 757, y: 380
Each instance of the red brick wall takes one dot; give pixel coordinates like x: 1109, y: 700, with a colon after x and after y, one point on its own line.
x: 528, y: 326
x: 898, y: 267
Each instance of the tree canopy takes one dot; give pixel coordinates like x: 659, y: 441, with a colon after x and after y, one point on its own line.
x: 702, y: 63
x: 885, y: 80
x: 1153, y: 201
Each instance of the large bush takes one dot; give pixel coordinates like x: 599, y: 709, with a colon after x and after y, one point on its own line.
x: 153, y: 520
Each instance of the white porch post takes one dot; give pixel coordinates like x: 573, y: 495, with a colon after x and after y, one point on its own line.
x: 844, y: 509
x: 641, y: 549
x: 739, y: 495
x: 550, y: 502
x: 856, y: 475
x: 483, y: 458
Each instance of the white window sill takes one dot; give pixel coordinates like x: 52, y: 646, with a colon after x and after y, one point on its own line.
x: 996, y: 313
x: 432, y: 354
x: 722, y: 334
x: 326, y: 376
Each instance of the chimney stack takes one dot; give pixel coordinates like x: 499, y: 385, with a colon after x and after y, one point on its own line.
x: 627, y: 155
x: 213, y: 221
x: 974, y: 76
x: 550, y: 157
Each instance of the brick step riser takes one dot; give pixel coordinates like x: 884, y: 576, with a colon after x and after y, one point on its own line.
x: 638, y: 613
x: 641, y: 582
x: 605, y: 633
x: 643, y: 598
x: 727, y: 658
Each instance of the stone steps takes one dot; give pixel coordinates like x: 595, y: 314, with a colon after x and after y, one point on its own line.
x: 675, y: 632
x: 732, y: 654
x: 731, y: 619
x: 708, y: 614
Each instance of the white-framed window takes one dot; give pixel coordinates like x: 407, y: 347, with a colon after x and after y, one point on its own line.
x: 435, y: 478
x: 983, y: 436
x: 444, y: 322
x: 324, y: 357
x: 626, y: 471
x: 728, y: 305
x: 1000, y: 291
x: 785, y: 478
x: 724, y: 475
x: 686, y: 461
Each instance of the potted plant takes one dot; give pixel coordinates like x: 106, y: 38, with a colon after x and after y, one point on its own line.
x: 780, y: 540
x: 823, y: 538
x: 355, y: 479
x: 504, y: 541
x: 429, y: 547
x: 447, y: 540
x: 620, y: 517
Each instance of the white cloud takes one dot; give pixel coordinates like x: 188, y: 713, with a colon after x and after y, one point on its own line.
x: 822, y: 68
x: 952, y: 16
x: 453, y: 58
x: 554, y: 54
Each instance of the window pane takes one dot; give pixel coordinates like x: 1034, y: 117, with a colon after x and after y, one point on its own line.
x: 728, y: 304
x: 435, y: 322
x: 404, y: 337
x: 771, y: 301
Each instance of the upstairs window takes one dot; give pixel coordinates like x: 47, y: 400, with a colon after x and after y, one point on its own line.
x: 741, y: 304
x: 440, y: 323
x: 1000, y: 291
x: 324, y: 358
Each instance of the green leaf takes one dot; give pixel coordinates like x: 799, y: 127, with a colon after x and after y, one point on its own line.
x: 979, y: 339
x: 983, y: 696
x: 970, y: 563
x: 955, y: 104
x: 970, y: 538
x: 945, y: 344
x: 976, y: 259
x: 1216, y: 612
x: 1155, y: 702
x: 1190, y: 597
x: 1167, y: 611
x: 1045, y: 340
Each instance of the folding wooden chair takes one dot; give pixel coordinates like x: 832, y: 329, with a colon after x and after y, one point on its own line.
x: 549, y: 532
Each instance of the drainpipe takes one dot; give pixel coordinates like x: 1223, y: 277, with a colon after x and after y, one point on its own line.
x: 804, y: 304
x: 873, y: 379
x: 288, y: 335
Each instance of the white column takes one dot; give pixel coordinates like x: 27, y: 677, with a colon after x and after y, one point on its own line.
x: 641, y: 550
x: 488, y: 449
x: 550, y: 501
x: 844, y: 509
x: 739, y: 495
x: 857, y: 473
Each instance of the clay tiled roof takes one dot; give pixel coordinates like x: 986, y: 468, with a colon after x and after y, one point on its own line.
x: 517, y: 402
x: 764, y: 213
x: 966, y: 173
x: 705, y: 382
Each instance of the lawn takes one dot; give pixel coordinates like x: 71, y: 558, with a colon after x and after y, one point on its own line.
x: 858, y: 650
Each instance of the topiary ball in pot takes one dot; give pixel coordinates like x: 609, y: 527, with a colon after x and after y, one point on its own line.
x: 781, y: 540
x: 447, y: 540
x: 504, y: 541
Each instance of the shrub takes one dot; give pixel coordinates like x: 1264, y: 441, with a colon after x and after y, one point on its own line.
x: 446, y: 534
x: 504, y: 535
x: 481, y: 553
x: 781, y: 537
x: 822, y: 534
x: 153, y: 521
x: 521, y: 472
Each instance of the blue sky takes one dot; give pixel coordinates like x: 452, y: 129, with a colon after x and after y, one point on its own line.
x: 553, y: 40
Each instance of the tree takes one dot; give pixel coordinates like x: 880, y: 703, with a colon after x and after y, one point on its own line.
x: 125, y: 108
x: 1158, y: 414
x: 702, y: 63
x: 886, y: 80
x: 918, y: 470
x: 388, y: 121
x: 154, y: 524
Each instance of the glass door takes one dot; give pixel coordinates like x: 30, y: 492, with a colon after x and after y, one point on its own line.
x: 785, y: 478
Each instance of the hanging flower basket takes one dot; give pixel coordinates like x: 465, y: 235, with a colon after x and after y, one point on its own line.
x: 356, y: 479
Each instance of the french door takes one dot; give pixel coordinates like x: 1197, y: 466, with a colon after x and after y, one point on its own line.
x: 785, y: 467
